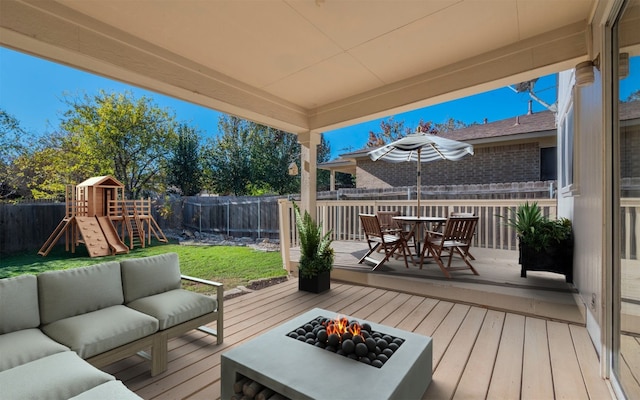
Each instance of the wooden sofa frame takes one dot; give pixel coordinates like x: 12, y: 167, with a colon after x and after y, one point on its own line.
x: 159, y: 341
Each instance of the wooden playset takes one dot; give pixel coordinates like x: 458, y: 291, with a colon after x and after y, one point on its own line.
x: 95, y: 211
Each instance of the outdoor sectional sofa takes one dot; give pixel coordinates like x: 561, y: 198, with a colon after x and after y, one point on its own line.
x: 59, y: 327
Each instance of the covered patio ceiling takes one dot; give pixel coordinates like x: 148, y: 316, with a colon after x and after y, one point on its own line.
x: 306, y: 65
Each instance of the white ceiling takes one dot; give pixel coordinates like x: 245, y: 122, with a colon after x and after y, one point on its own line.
x: 303, y: 65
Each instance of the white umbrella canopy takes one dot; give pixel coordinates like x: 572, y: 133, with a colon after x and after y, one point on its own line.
x: 421, y: 147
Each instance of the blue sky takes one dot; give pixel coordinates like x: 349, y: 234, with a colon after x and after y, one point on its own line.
x: 32, y: 89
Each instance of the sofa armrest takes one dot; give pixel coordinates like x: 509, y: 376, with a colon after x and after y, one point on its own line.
x: 203, y: 281
x: 219, y: 298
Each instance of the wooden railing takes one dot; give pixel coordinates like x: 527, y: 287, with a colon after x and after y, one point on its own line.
x: 117, y: 208
x: 341, y: 217
x: 630, y: 225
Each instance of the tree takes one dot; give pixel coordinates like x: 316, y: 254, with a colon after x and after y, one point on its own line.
x: 53, y: 162
x: 130, y: 138
x: 393, y: 130
x: 450, y: 125
x: 270, y: 167
x: 344, y: 180
x: 12, y: 146
x: 227, y: 158
x: 324, y: 154
x: 634, y: 96
x: 253, y: 159
x: 390, y: 130
x: 184, y: 169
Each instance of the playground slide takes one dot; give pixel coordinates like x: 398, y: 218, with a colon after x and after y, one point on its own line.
x: 93, y: 237
x: 111, y: 236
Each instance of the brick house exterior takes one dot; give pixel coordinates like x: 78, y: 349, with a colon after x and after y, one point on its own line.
x: 505, y: 151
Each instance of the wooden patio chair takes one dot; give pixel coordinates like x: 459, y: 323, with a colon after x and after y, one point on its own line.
x: 464, y: 214
x: 386, y: 220
x: 388, y: 241
x: 389, y: 225
x: 456, y: 237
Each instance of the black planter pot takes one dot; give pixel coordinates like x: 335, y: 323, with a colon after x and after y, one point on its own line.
x: 317, y: 284
x: 557, y: 258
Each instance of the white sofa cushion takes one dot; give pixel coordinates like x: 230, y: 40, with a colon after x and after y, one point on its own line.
x: 142, y: 277
x: 58, y: 376
x: 102, y: 330
x: 70, y: 292
x: 175, y: 306
x: 19, y: 303
x: 23, y: 346
x: 113, y: 390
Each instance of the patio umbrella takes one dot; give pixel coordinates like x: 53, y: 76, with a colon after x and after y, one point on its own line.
x: 421, y: 147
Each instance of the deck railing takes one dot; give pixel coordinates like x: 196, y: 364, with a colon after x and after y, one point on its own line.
x: 341, y: 217
x: 630, y: 225
x: 117, y: 208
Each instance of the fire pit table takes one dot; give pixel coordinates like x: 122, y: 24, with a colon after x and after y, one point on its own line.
x: 286, y: 363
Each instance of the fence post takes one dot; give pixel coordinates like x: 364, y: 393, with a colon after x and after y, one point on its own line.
x: 228, y: 217
x: 200, y: 217
x: 259, y: 218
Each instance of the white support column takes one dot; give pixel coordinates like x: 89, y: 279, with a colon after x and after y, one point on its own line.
x: 309, y: 142
x: 332, y: 181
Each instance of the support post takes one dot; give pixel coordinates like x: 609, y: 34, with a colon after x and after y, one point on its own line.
x: 309, y: 142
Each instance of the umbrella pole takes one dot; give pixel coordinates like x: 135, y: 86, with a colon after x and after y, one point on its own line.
x: 418, y: 183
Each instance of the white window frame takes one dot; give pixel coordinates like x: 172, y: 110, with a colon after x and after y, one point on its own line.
x: 568, y: 149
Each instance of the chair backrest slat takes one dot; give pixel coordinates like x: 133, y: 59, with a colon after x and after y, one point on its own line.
x: 371, y: 225
x: 385, y: 218
x: 460, y: 229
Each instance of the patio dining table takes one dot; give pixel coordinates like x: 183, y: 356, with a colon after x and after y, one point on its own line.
x: 416, y: 223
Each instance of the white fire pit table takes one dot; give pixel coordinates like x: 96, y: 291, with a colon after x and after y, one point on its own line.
x: 299, y: 370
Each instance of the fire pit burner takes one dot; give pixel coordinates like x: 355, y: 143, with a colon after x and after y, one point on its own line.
x: 348, y: 338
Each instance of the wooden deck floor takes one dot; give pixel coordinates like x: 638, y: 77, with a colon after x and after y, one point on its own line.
x: 477, y: 352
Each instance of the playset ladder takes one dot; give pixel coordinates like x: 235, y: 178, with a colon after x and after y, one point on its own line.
x: 134, y: 225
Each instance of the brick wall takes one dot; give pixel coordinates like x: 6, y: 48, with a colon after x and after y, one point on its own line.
x: 496, y: 164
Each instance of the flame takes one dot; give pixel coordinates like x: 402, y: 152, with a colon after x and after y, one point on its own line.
x: 341, y: 325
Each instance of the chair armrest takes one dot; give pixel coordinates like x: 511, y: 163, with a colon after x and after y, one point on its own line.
x: 219, y: 287
x: 219, y: 298
x: 203, y: 281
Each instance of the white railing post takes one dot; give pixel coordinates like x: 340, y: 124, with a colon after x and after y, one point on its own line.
x: 285, y: 233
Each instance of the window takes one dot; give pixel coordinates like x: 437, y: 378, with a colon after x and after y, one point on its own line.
x: 548, y: 164
x: 566, y: 130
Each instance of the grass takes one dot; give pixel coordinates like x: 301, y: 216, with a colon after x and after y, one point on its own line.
x: 231, y: 265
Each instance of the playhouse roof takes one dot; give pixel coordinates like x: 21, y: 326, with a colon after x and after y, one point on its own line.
x: 106, y: 180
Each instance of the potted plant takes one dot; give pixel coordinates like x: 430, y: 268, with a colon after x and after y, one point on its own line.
x: 544, y: 244
x: 316, y: 254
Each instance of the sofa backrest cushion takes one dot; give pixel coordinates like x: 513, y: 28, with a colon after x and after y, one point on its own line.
x: 19, y: 303
x: 70, y: 292
x: 142, y: 277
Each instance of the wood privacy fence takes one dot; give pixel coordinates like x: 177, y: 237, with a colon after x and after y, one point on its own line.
x: 25, y: 227
x: 255, y: 217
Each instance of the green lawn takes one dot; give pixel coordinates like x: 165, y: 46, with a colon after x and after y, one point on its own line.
x: 231, y: 265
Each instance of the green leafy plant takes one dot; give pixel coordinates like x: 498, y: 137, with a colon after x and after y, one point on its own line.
x: 536, y: 230
x: 316, y: 254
